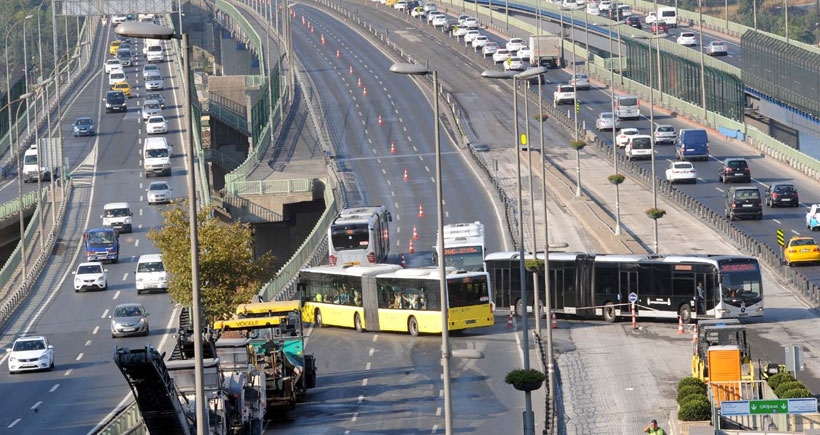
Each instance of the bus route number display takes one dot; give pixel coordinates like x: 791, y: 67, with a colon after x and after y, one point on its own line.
x: 461, y: 250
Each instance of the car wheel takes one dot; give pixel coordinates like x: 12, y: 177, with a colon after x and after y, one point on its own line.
x: 413, y: 326
x: 51, y: 367
x: 357, y: 322
x: 317, y: 319
x: 685, y: 314
x: 609, y: 312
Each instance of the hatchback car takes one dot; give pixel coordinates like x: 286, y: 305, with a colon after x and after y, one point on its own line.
x: 440, y: 21
x: 429, y: 7
x: 717, y: 48
x: 524, y: 53
x: 665, y: 134
x: 470, y: 23
x: 84, y: 126
x: 124, y: 55
x: 734, y: 169
x: 658, y: 28
x: 623, y: 137
x: 150, y: 108
x: 417, y: 12
x: 471, y: 35
x: 634, y: 22
x: 90, y: 275
x: 514, y: 63
x: 501, y: 55
x: 606, y: 121
x: 158, y: 97
x: 112, y: 64
x: 30, y: 353
x: 581, y: 81
x: 150, y: 69
x: 801, y: 250
x: 154, y: 83
x: 123, y: 87
x: 158, y: 192
x: 514, y: 44
x: 592, y: 8
x: 489, y: 48
x: 129, y: 320
x: 681, y: 172
x: 604, y: 5
x: 479, y: 41
x: 156, y: 124
x: 688, y: 39
x: 460, y: 30
x: 782, y: 195
x: 115, y: 45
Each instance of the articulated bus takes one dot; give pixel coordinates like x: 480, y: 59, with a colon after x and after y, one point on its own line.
x: 463, y: 246
x: 386, y: 297
x: 598, y: 285
x: 359, y: 236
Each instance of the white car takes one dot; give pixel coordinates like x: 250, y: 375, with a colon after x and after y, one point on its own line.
x: 118, y: 19
x: 116, y: 76
x: 90, y: 275
x: 151, y: 108
x: 514, y: 44
x: 665, y: 134
x: 471, y: 35
x: 638, y: 147
x: 440, y: 21
x: 460, y: 30
x: 156, y: 125
x: 470, y: 22
x: 480, y: 41
x: 150, y: 69
x: 514, y: 63
x: 581, y: 81
x: 650, y: 18
x: 623, y: 137
x: 30, y: 353
x: 154, y: 83
x: 592, y: 9
x: 402, y: 6
x: 433, y: 14
x: 524, y: 52
x: 158, y: 192
x: 563, y: 94
x: 683, y: 172
x: 606, y: 120
x: 112, y: 64
x: 460, y: 19
x: 605, y: 5
x: 417, y: 12
x: 501, y: 55
x: 429, y: 7
x: 489, y: 48
x: 688, y: 39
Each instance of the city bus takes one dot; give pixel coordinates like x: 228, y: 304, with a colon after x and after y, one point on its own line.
x: 359, y: 236
x: 463, y: 246
x: 598, y: 285
x: 388, y: 298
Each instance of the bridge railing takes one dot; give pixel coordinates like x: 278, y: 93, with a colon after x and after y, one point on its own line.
x: 12, y: 208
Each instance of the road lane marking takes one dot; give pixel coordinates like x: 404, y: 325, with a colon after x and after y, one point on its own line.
x: 68, y: 372
x: 355, y: 416
x: 371, y: 352
x: 435, y: 428
x: 438, y: 412
x: 54, y: 388
x: 361, y: 399
x: 36, y: 405
x: 137, y: 243
x: 375, y: 337
x: 776, y: 221
x: 795, y: 233
x: 96, y: 329
x: 79, y: 357
x: 364, y: 382
x: 13, y: 423
x: 116, y: 296
x: 88, y: 343
x: 105, y: 314
x: 125, y: 276
x: 367, y: 366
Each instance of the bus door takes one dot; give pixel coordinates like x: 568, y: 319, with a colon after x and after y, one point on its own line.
x: 500, y: 277
x: 628, y: 284
x: 710, y: 287
x: 370, y: 302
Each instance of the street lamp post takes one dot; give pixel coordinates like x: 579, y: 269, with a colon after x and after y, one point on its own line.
x: 529, y: 419
x: 614, y: 143
x: 18, y: 158
x: 35, y: 92
x: 702, y: 60
x: 25, y: 71
x: 154, y: 31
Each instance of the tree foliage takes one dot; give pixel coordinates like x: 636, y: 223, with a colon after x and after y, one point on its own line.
x: 228, y: 272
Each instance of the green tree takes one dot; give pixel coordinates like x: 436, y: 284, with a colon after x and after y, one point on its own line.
x: 228, y: 272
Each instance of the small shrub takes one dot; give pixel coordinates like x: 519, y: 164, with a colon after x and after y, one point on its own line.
x: 534, y: 265
x: 616, y: 178
x: 689, y: 390
x: 655, y: 213
x: 777, y: 379
x: 796, y: 393
x: 786, y: 386
x: 695, y: 409
x: 690, y: 380
x: 523, y: 379
x: 577, y: 145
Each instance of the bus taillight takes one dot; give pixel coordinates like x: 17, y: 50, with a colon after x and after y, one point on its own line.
x: 332, y: 259
x: 371, y: 257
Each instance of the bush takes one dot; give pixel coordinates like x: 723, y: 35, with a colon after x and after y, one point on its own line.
x: 691, y: 380
x: 796, y: 393
x: 777, y: 379
x: 525, y: 380
x: 786, y: 386
x: 690, y: 390
x: 616, y: 178
x: 697, y: 408
x: 577, y: 145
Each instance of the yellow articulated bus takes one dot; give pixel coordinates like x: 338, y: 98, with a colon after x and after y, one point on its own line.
x: 386, y: 297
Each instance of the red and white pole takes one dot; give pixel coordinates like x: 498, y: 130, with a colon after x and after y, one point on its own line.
x: 634, y: 318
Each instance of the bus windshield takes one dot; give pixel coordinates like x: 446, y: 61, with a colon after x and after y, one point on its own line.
x: 464, y: 292
x: 741, y: 281
x: 350, y: 237
x: 470, y: 258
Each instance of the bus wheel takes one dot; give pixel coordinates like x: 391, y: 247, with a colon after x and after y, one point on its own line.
x: 685, y: 314
x: 317, y: 318
x: 413, y: 326
x: 609, y: 312
x: 519, y: 308
x: 357, y: 322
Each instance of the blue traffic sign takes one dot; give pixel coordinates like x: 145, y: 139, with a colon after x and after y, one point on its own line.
x: 633, y: 297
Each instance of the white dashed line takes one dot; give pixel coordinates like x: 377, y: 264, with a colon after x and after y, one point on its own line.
x: 367, y: 366
x: 79, y: 357
x: 435, y: 428
x: 116, y: 295
x: 355, y: 416
x: 68, y: 372
x: 88, y: 343
x: 438, y: 412
x: 105, y: 314
x: 375, y: 337
x: 54, y: 388
x: 371, y: 352
x: 364, y: 382
x: 13, y: 423
x: 96, y: 330
x: 361, y: 399
x: 36, y: 405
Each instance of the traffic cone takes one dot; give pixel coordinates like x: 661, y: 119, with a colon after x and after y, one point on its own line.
x: 311, y: 28
x: 680, y: 325
x: 406, y: 177
x: 415, y: 233
x: 360, y: 82
x: 510, y: 321
x: 411, y: 249
x: 339, y: 54
x: 323, y: 39
x: 351, y: 69
x: 392, y: 148
x: 403, y: 262
x: 364, y: 91
x: 303, y: 20
x: 554, y: 324
x: 421, y: 211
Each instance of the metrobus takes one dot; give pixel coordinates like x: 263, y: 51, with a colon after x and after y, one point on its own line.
x: 598, y: 285
x: 359, y: 235
x: 463, y: 246
x: 386, y: 297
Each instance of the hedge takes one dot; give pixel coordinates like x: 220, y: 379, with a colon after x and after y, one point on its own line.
x: 691, y: 380
x: 695, y: 408
x: 777, y: 379
x: 689, y: 390
x: 786, y: 386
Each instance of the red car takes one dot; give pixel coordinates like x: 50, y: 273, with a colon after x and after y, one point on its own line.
x: 658, y: 28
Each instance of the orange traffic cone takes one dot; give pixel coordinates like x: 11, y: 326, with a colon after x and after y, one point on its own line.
x: 406, y: 177
x: 421, y: 211
x: 339, y: 54
x: 403, y: 262
x: 364, y: 91
x: 680, y: 325
x: 380, y: 119
x: 415, y: 233
x: 411, y: 249
x: 360, y: 82
x: 554, y: 324
x: 510, y: 321
x: 392, y: 148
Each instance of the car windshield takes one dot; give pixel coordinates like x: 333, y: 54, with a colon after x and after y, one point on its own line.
x: 666, y: 129
x: 784, y: 189
x: 151, y: 106
x: 154, y: 266
x: 683, y: 165
x: 116, y: 212
x: 156, y: 120
x: 128, y: 312
x: 606, y: 115
x: 22, y: 346
x: 83, y: 121
x: 803, y: 242
x: 735, y: 164
x: 156, y: 153
x: 98, y: 238
x: 88, y: 269
x: 158, y: 187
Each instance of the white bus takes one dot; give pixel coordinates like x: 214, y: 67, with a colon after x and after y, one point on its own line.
x: 359, y: 236
x: 463, y: 246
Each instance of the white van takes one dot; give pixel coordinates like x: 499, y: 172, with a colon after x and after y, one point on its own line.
x: 627, y: 107
x: 668, y: 15
x: 156, y: 156
x: 150, y: 273
x: 117, y: 215
x: 155, y: 53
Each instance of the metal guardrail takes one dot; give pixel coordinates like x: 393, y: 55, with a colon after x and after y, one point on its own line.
x: 12, y: 208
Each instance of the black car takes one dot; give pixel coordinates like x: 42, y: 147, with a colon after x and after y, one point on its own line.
x: 782, y: 195
x: 734, y: 169
x: 634, y: 22
x: 115, y: 102
x: 743, y: 202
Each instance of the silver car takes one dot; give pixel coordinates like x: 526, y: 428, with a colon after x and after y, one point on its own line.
x: 151, y: 108
x: 606, y: 121
x: 129, y: 320
x: 717, y: 48
x: 154, y: 82
x: 159, y: 192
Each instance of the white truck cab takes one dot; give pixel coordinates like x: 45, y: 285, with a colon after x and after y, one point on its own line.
x: 156, y: 156
x: 117, y: 215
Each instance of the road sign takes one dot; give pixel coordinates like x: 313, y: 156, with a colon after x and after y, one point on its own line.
x: 776, y: 406
x: 577, y: 107
x: 633, y: 297
x: 781, y: 238
x: 523, y: 139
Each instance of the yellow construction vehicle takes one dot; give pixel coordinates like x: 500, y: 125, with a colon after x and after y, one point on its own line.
x: 721, y: 358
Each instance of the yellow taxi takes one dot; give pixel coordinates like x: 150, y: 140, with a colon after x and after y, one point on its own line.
x: 124, y: 87
x: 115, y: 44
x: 801, y: 250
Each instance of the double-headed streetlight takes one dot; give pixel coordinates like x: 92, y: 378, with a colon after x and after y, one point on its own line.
x: 142, y: 30
x: 529, y: 419
x: 614, y: 143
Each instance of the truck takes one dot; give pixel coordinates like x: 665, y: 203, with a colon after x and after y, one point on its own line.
x: 37, y: 164
x: 546, y: 50
x: 102, y: 244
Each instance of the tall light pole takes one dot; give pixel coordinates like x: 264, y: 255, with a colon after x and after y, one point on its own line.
x: 614, y: 143
x: 529, y: 418
x: 36, y: 91
x: 702, y: 60
x: 154, y: 31
x: 420, y: 70
x: 18, y: 159
x: 25, y: 70
x: 57, y: 80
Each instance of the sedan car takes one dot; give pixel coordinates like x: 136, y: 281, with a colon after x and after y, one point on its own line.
x: 592, y: 8
x: 717, y: 48
x: 150, y: 69
x: 90, y: 275
x: 150, y: 108
x: 156, y: 125
x: 514, y: 44
x: 470, y: 23
x: 681, y: 172
x: 524, y: 52
x: 634, y: 22
x: 580, y: 81
x: 112, y: 64
x: 658, y: 28
x: 440, y: 21
x: 801, y: 250
x: 84, y: 126
x: 623, y: 137
x: 124, y: 87
x: 158, y: 97
x: 429, y: 7
x: 417, y: 12
x: 116, y: 76
x: 471, y: 35
x: 154, y: 83
x: 514, y: 63
x: 501, y: 55
x: 431, y: 15
x: 606, y: 121
x: 665, y: 134
x: 489, y: 48
x: 782, y: 195
x: 30, y: 353
x: 689, y: 39
x: 159, y: 192
x: 460, y: 30
x: 129, y: 320
x: 115, y: 45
